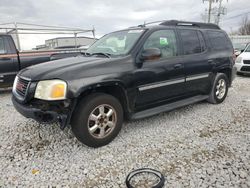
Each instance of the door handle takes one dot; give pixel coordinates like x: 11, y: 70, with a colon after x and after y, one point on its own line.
x: 177, y: 66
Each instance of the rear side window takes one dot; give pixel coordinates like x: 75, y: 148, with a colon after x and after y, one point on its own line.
x: 2, y: 47
x: 219, y: 41
x: 191, y: 42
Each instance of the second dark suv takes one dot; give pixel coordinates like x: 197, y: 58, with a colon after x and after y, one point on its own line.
x: 132, y: 73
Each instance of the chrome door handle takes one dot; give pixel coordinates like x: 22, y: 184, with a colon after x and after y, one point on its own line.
x: 178, y: 66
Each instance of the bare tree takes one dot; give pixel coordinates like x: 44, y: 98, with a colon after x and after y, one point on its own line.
x: 245, y: 26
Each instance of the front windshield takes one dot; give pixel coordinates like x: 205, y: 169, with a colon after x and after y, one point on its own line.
x: 117, y: 43
x: 239, y: 46
x: 247, y: 48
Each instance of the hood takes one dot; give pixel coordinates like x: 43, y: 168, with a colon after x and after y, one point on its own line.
x: 245, y: 55
x: 63, y: 68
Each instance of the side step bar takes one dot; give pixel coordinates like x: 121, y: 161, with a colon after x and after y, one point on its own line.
x: 168, y: 107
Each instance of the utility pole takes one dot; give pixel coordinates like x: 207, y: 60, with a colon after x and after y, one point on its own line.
x: 221, y: 11
x: 215, y: 11
x: 218, y: 14
x: 209, y: 10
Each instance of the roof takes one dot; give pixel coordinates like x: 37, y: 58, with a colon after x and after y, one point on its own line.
x: 177, y: 23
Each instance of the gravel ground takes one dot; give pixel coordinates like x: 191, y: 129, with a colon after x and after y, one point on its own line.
x: 200, y: 145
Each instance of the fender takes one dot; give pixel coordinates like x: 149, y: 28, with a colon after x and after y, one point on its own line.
x: 106, y: 85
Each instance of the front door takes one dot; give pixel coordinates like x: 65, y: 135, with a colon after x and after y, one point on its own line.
x: 162, y: 79
x: 8, y: 63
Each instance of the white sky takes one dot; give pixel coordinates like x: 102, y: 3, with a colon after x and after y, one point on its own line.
x: 111, y: 15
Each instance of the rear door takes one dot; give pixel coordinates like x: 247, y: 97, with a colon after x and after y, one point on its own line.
x: 8, y: 62
x: 160, y: 80
x: 197, y: 64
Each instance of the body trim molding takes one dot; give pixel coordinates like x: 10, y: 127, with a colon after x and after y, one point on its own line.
x: 161, y: 84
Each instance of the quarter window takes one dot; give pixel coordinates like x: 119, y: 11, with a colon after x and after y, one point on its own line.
x: 165, y: 40
x: 219, y: 40
x: 190, y: 42
x: 2, y: 48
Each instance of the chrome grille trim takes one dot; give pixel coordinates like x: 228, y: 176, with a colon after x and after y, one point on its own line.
x: 21, y: 87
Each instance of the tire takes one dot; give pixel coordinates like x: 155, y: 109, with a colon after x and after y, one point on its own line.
x: 99, y: 129
x: 214, y: 97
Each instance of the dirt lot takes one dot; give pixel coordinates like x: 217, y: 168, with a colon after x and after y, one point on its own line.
x: 196, y: 146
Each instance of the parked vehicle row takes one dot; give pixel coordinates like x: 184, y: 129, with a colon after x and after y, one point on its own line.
x: 128, y: 74
x: 12, y: 61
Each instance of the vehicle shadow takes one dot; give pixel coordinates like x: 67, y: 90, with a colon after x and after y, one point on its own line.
x: 5, y: 90
x: 243, y: 75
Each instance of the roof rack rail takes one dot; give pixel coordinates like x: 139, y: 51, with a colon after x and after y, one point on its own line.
x: 154, y: 22
x: 180, y: 23
x: 192, y: 24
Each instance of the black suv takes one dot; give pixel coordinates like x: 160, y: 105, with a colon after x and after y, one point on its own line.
x: 133, y: 73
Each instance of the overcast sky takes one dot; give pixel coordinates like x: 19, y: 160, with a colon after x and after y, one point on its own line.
x: 110, y: 15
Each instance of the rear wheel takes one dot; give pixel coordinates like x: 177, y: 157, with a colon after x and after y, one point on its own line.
x: 219, y: 90
x: 97, y: 119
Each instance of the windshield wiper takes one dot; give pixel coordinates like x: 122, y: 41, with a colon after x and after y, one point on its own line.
x: 101, y: 53
x: 87, y: 54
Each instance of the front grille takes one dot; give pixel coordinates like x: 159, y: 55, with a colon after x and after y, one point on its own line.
x: 22, y: 86
x: 245, y: 68
x: 246, y: 61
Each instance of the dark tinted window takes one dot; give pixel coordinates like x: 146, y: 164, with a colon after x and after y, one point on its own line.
x: 190, y: 42
x: 219, y: 40
x: 165, y: 40
x: 202, y: 41
x: 2, y: 48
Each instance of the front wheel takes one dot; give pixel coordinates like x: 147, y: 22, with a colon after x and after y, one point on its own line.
x: 219, y: 89
x: 97, y: 119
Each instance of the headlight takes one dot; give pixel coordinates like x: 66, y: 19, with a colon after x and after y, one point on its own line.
x: 51, y: 90
x: 238, y: 60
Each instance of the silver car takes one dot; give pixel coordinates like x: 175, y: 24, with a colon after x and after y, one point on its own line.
x: 242, y: 62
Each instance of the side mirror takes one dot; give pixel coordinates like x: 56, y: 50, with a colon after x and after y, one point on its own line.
x: 242, y: 51
x: 150, y: 54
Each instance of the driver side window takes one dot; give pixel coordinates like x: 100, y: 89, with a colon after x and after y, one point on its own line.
x: 165, y: 40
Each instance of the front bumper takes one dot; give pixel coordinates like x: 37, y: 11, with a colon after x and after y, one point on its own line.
x: 42, y: 116
x: 242, y: 68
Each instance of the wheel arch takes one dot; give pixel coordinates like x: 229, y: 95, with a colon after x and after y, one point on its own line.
x: 228, y: 72
x: 114, y: 88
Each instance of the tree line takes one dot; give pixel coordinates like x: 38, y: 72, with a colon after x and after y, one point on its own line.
x: 245, y: 27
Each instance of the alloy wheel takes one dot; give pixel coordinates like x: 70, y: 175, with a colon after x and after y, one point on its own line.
x: 102, y: 120
x: 221, y: 89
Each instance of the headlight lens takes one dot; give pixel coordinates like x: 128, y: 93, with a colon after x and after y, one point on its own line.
x: 51, y: 90
x: 238, y: 60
